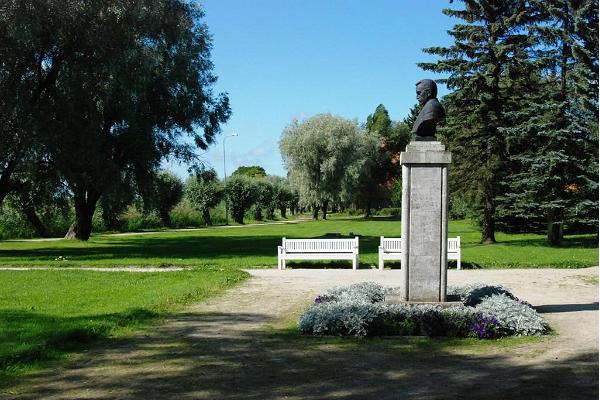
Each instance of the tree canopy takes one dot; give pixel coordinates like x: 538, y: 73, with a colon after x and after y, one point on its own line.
x: 105, y: 91
x: 324, y: 157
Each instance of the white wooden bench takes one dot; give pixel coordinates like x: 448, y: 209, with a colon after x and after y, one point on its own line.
x: 391, y: 249
x: 317, y: 249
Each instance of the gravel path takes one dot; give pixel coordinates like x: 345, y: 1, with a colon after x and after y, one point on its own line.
x: 227, y: 347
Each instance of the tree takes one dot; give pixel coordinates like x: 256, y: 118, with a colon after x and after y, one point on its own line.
x: 204, y: 192
x: 553, y: 135
x: 168, y: 193
x: 489, y: 49
x: 105, y: 91
x: 283, y: 195
x: 264, y: 200
x: 241, y: 193
x: 319, y: 154
x: 253, y: 171
x: 26, y: 77
x: 382, y: 155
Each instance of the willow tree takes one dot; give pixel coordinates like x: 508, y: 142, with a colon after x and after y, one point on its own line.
x: 323, y: 156
x: 126, y: 82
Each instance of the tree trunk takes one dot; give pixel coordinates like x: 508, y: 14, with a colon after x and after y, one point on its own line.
x: 488, y: 228
x: 555, y: 230
x: 368, y: 209
x: 282, y: 211
x: 271, y: 213
x: 325, y: 205
x: 315, y: 213
x: 85, y: 205
x: 34, y: 221
x: 165, y: 218
x: 258, y: 214
x: 206, y: 217
x: 5, y: 182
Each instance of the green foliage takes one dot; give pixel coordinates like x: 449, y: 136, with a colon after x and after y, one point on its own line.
x: 168, y: 191
x: 382, y: 167
x: 115, y: 88
x: 204, y: 192
x: 489, y: 49
x: 553, y: 136
x: 253, y: 171
x: 324, y: 156
x: 241, y: 194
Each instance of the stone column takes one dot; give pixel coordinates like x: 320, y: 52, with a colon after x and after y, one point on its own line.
x: 424, y: 221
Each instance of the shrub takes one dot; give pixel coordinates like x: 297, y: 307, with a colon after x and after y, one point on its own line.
x: 367, y: 292
x: 473, y: 294
x: 359, y: 310
x: 185, y: 216
x: 338, y: 318
x: 513, y: 317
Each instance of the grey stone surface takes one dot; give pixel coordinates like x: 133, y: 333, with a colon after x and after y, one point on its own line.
x: 424, y: 221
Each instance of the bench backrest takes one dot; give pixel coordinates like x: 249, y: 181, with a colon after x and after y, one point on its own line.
x: 391, y: 244
x: 320, y: 245
x: 453, y: 244
x: 394, y: 245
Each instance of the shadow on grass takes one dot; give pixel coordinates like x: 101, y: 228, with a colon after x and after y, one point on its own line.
x: 568, y: 243
x: 30, y: 338
x: 209, y: 356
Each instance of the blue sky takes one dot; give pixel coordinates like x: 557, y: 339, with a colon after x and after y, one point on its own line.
x: 287, y: 59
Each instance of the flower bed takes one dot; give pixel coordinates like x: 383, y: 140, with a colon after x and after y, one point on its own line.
x: 359, y: 310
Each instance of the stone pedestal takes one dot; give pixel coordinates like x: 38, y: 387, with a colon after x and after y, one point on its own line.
x: 424, y: 221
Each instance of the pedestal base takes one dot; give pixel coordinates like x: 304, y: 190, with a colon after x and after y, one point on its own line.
x: 424, y: 221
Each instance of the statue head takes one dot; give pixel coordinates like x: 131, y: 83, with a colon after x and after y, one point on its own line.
x: 426, y: 89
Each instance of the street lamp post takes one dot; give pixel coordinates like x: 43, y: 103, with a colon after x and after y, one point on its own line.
x: 225, y: 177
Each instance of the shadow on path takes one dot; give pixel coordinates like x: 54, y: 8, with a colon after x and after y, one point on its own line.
x: 561, y: 308
x: 225, y: 355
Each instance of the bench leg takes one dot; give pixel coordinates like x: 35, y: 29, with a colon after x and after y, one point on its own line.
x: 355, y: 262
x: 458, y: 264
x: 380, y: 261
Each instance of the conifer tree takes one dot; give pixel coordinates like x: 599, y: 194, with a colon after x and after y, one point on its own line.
x: 553, y: 135
x: 488, y: 49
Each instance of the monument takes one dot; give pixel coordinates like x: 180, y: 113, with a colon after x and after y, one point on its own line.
x: 425, y: 204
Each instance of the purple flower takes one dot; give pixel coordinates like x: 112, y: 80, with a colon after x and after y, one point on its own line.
x: 484, y: 327
x: 322, y: 298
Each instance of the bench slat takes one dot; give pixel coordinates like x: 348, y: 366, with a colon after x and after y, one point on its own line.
x: 391, y: 249
x: 318, y: 249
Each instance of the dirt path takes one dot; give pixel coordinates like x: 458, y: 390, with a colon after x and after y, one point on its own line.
x: 227, y: 348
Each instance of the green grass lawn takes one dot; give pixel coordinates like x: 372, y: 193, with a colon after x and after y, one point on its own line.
x: 256, y: 246
x: 46, y: 314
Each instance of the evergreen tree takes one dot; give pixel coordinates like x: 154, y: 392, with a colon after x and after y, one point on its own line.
x: 489, y: 47
x: 381, y: 166
x: 553, y: 136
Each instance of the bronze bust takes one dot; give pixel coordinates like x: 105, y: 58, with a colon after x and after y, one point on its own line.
x: 431, y: 113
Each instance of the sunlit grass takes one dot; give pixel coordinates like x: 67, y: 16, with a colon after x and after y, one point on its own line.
x: 46, y: 314
x: 256, y: 246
